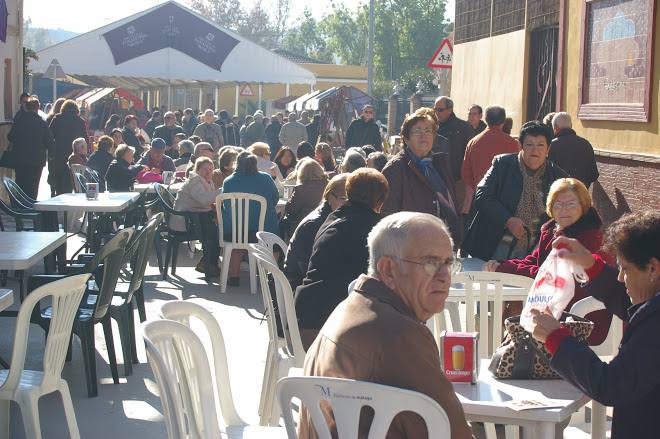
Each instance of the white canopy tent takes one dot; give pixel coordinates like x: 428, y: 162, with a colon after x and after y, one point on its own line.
x: 166, y: 45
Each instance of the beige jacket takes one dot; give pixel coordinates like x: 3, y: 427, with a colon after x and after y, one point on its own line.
x: 196, y: 195
x: 373, y: 336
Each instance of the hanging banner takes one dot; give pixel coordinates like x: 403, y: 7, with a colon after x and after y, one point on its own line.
x: 171, y: 26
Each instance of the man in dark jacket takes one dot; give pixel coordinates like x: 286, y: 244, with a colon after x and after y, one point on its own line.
x: 168, y: 130
x: 364, y: 131
x: 475, y: 119
x: 272, y: 135
x: 65, y: 127
x: 229, y: 128
x: 574, y: 154
x: 32, y: 142
x: 458, y: 133
x: 340, y: 251
x: 155, y: 120
x: 129, y: 136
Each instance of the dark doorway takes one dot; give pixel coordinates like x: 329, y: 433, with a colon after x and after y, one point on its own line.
x: 542, y: 86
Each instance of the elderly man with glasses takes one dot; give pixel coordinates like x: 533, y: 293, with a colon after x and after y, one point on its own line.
x: 364, y: 131
x: 378, y: 333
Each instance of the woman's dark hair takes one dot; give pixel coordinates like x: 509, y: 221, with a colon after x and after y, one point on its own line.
x: 227, y: 156
x: 246, y: 163
x: 534, y: 128
x: 305, y: 149
x: 70, y: 106
x: 636, y: 236
x: 113, y: 121
x: 105, y: 143
x: 280, y: 155
x: 367, y: 186
x: 378, y: 159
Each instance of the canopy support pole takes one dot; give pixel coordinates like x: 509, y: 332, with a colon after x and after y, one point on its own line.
x: 200, y: 105
x: 287, y: 90
x: 260, y: 94
x: 169, y: 96
x: 185, y: 97
x: 217, y: 98
x: 236, y: 100
x: 311, y: 88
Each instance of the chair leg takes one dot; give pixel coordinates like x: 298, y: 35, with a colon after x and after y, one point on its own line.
x: 131, y: 333
x: 69, y: 413
x: 168, y: 256
x: 253, y: 273
x: 139, y: 302
x: 4, y: 418
x: 29, y: 404
x: 224, y: 271
x: 123, y: 322
x: 158, y: 246
x: 110, y: 345
x: 175, y: 257
x: 272, y: 350
x: 86, y: 335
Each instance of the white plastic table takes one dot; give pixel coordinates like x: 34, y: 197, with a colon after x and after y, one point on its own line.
x: 21, y: 250
x: 6, y: 299
x: 149, y: 187
x: 486, y: 402
x: 107, y: 202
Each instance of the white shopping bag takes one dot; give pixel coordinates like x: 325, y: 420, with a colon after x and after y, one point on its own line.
x: 554, y: 287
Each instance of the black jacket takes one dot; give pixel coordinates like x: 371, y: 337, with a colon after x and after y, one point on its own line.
x: 496, y: 200
x: 302, y: 241
x: 167, y: 133
x: 575, y: 155
x: 66, y: 127
x: 230, y: 133
x: 339, y: 256
x: 362, y: 133
x: 32, y: 140
x: 631, y: 381
x: 100, y: 161
x: 273, y: 137
x: 458, y: 133
x: 131, y: 139
x: 120, y: 176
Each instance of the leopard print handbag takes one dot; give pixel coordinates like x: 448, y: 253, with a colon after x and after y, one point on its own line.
x: 522, y: 357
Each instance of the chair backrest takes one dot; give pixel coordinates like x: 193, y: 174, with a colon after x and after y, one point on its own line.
x: 18, y: 198
x: 272, y: 241
x: 347, y: 397
x: 185, y: 371
x: 286, y: 308
x: 610, y: 346
x: 66, y: 295
x: 185, y: 311
x: 111, y: 255
x: 137, y: 252
x: 269, y: 306
x: 485, y: 288
x: 239, y: 211
x: 79, y: 182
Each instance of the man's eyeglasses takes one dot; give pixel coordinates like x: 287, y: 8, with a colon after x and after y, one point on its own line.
x: 440, y: 110
x: 433, y: 266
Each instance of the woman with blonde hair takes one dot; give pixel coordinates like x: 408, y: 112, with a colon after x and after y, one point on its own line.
x: 262, y: 151
x: 325, y: 157
x: 571, y: 213
x: 307, y: 194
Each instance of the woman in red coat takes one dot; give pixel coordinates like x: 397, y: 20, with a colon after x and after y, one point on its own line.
x: 572, y: 215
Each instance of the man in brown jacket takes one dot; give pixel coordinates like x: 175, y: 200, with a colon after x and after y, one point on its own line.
x: 379, y: 334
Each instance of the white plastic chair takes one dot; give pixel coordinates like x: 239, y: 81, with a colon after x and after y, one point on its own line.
x: 283, y: 353
x: 239, y: 211
x: 271, y: 241
x: 347, y: 397
x: 185, y: 367
x: 26, y: 387
x: 485, y: 288
x: 610, y: 346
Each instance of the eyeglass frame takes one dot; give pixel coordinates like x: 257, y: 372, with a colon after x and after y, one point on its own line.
x: 559, y: 205
x: 419, y: 131
x: 452, y: 264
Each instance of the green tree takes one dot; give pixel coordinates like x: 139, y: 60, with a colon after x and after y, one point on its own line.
x: 346, y: 34
x: 35, y: 38
x: 306, y: 38
x: 225, y: 13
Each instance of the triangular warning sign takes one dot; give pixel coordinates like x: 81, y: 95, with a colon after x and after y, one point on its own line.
x: 442, y: 58
x: 246, y: 90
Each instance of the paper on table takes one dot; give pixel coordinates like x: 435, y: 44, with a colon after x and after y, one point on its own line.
x: 528, y: 404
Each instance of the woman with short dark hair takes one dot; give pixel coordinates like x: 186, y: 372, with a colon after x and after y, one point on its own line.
x: 248, y: 179
x: 101, y: 158
x: 340, y: 251
x: 630, y: 382
x: 121, y: 173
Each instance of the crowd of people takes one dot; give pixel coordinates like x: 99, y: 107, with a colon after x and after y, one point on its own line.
x: 396, y: 221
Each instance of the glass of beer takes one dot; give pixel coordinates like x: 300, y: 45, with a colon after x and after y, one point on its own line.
x: 458, y: 357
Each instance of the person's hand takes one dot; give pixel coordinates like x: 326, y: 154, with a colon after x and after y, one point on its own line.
x: 571, y: 249
x: 156, y: 170
x: 145, y: 168
x: 544, y: 324
x: 516, y: 226
x: 491, y: 265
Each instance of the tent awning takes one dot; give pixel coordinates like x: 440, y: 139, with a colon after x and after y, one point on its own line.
x: 299, y: 103
x: 99, y: 94
x: 173, y: 43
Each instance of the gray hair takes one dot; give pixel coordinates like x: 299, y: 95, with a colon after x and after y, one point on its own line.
x: 389, y: 236
x: 561, y: 120
x: 446, y: 100
x: 122, y: 149
x: 353, y: 160
x: 495, y: 115
x: 78, y: 143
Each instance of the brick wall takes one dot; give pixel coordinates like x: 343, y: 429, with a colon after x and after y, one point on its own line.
x: 627, y: 183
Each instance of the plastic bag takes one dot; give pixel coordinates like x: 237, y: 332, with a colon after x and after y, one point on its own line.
x: 554, y: 287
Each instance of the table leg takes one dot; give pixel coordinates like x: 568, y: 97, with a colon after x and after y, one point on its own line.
x: 598, y: 421
x: 540, y: 430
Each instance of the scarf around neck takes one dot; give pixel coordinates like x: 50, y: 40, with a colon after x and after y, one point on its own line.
x: 532, y: 204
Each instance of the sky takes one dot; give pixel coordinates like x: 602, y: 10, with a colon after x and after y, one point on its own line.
x: 60, y: 14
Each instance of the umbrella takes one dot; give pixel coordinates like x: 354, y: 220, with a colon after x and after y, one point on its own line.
x: 3, y: 20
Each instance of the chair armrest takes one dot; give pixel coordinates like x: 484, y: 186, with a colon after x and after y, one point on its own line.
x: 37, y: 280
x: 584, y: 306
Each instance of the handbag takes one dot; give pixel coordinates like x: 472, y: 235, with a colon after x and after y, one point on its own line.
x: 522, y: 357
x: 505, y: 248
